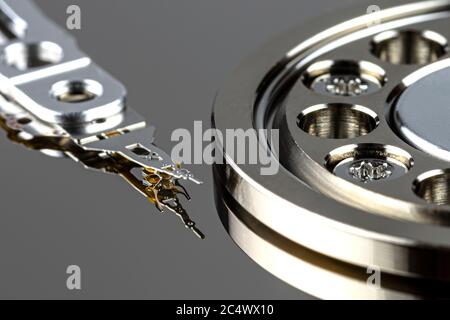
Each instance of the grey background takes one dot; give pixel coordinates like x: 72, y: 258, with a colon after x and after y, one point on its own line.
x: 172, y: 56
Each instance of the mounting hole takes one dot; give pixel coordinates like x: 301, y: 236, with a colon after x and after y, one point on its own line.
x: 434, y: 187
x: 365, y: 163
x: 24, y: 121
x: 409, y: 47
x: 24, y: 56
x: 337, y: 121
x: 76, y: 91
x: 344, y: 78
x: 100, y: 121
x: 139, y: 150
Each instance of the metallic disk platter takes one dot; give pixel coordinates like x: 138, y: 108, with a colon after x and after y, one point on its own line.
x: 360, y: 103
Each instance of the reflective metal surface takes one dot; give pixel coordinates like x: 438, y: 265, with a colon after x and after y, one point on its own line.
x: 355, y: 186
x: 53, y: 98
x: 421, y: 121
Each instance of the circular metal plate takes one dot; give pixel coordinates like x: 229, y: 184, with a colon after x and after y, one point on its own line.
x: 352, y: 186
x: 422, y: 112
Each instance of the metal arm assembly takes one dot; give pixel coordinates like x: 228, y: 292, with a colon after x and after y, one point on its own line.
x: 53, y: 98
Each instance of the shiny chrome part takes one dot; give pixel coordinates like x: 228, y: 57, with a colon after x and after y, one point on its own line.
x: 370, y: 170
x: 409, y: 46
x: 53, y: 98
x: 420, y: 120
x: 338, y: 121
x: 368, y: 163
x: 359, y: 102
x: 344, y: 78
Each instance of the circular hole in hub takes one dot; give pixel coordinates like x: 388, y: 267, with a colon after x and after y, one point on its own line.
x: 409, y: 47
x: 76, y: 91
x: 337, y: 121
x: 344, y: 78
x: 434, y: 187
x: 24, y: 56
x: 367, y: 163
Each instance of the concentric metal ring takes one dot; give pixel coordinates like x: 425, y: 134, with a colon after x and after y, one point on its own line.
x: 383, y: 224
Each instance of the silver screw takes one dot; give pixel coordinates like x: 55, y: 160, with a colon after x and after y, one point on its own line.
x: 370, y: 170
x: 341, y: 86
